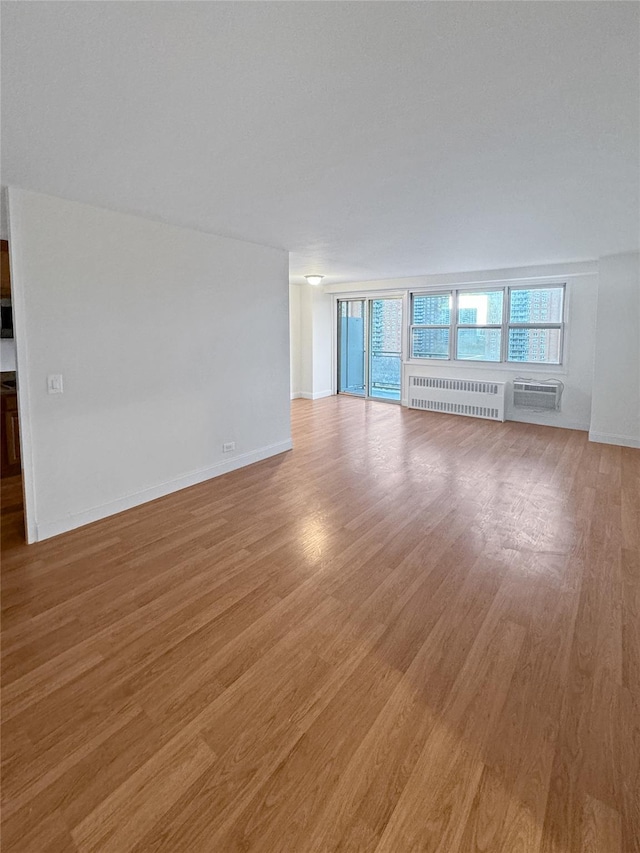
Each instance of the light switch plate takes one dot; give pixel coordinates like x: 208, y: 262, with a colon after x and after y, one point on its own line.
x: 54, y: 383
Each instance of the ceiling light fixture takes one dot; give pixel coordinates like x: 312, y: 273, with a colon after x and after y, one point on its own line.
x: 314, y: 279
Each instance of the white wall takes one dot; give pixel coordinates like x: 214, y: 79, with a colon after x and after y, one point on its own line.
x: 576, y: 371
x: 311, y: 355
x: 323, y: 326
x: 170, y: 342
x: 306, y: 342
x: 295, y: 341
x: 615, y: 417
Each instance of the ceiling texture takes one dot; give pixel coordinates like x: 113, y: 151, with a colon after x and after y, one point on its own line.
x: 370, y: 140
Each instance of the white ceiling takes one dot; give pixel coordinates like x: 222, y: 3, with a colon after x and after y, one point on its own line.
x: 371, y: 140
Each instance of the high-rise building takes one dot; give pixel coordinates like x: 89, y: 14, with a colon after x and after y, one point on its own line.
x: 480, y: 310
x: 386, y: 343
x: 431, y: 310
x: 538, y: 305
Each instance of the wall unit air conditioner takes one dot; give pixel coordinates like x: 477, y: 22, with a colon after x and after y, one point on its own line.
x: 457, y: 397
x: 529, y: 394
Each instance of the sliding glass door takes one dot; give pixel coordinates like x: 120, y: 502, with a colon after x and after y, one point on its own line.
x: 352, y: 347
x: 370, y: 347
x: 385, y: 350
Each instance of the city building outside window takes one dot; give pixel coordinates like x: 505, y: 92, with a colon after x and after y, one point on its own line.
x: 517, y: 324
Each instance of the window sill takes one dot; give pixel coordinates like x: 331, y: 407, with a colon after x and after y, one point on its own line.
x: 521, y: 367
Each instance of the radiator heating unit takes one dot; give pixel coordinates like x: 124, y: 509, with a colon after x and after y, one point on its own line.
x: 457, y: 397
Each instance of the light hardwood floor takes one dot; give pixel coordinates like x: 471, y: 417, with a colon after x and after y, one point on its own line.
x: 414, y: 632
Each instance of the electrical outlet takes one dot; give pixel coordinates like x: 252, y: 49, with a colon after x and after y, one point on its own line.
x: 228, y: 446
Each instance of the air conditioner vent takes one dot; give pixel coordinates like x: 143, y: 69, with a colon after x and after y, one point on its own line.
x: 537, y: 395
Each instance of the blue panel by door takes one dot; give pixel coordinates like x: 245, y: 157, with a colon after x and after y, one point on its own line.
x: 351, y: 355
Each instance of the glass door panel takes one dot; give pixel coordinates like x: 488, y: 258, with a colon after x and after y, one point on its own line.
x: 385, y: 351
x: 352, y: 347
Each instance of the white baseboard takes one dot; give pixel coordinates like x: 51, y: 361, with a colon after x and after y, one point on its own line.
x: 44, y: 530
x: 296, y: 395
x: 564, y: 424
x: 612, y: 438
x: 522, y: 420
x: 317, y: 395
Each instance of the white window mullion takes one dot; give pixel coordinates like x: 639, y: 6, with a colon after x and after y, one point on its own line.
x: 453, y: 342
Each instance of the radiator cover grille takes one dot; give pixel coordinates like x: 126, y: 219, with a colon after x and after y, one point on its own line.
x: 457, y: 397
x: 456, y: 384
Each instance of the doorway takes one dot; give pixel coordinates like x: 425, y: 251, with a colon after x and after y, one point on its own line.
x: 370, y: 348
x: 11, y: 494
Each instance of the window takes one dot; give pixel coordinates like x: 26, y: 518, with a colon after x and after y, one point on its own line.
x: 479, y: 332
x: 500, y: 324
x: 535, y: 325
x: 430, y: 322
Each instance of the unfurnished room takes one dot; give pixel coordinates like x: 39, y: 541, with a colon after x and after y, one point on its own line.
x: 320, y: 428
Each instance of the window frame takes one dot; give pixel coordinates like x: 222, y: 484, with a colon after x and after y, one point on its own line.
x: 504, y: 327
x: 488, y: 326
x: 426, y: 326
x: 560, y: 326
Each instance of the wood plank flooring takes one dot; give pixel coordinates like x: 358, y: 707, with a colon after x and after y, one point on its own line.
x: 414, y: 632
